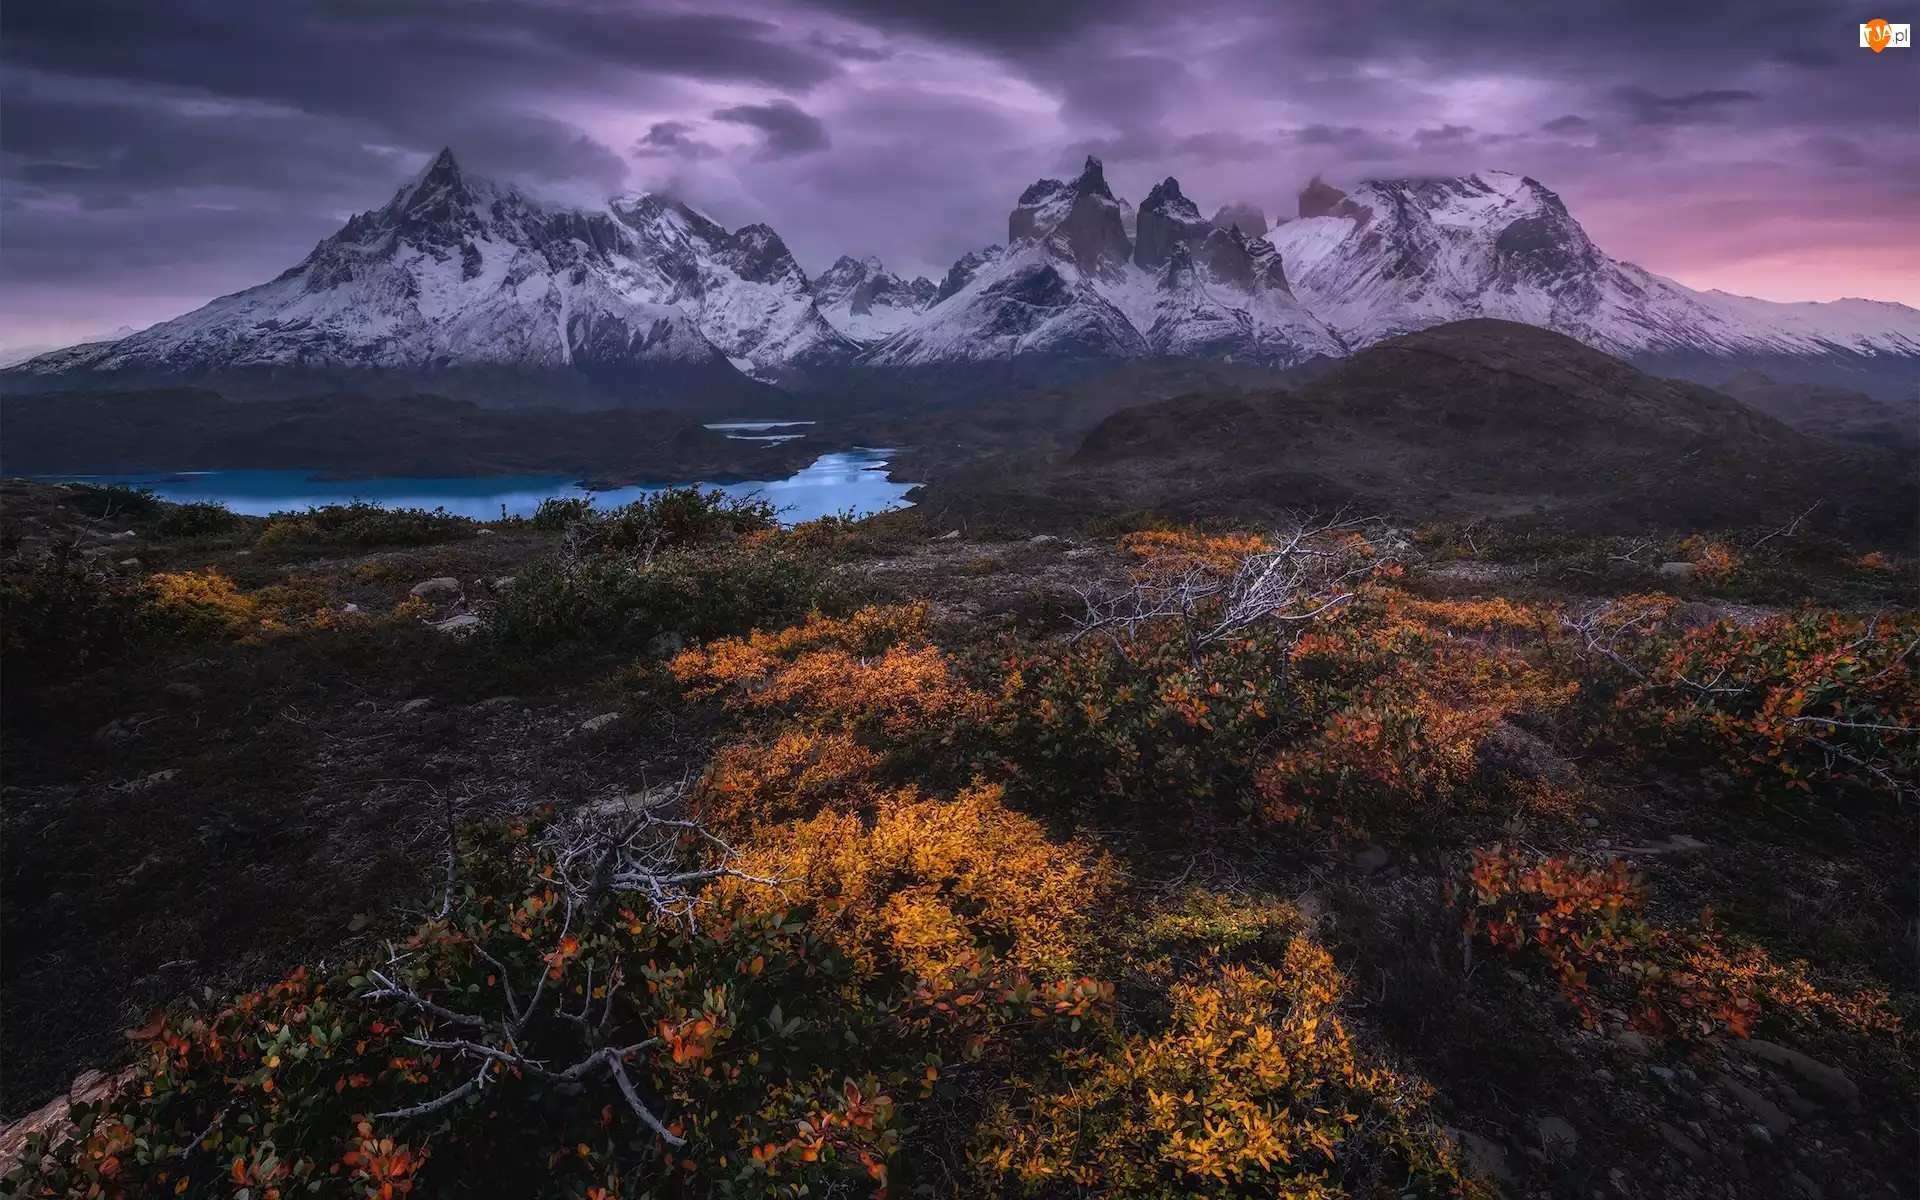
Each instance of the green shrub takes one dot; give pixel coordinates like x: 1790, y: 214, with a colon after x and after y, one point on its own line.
x: 677, y: 517
x: 697, y: 591
x: 198, y: 520
x: 362, y: 524
x: 61, y: 615
x: 114, y: 501
x: 557, y: 513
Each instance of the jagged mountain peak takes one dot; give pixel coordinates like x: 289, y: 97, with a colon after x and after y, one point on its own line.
x: 867, y: 302
x: 1093, y: 180
x: 1166, y: 218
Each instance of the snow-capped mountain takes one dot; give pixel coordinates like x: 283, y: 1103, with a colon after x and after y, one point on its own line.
x: 1072, y: 285
x: 469, y: 285
x: 743, y: 289
x: 474, y: 289
x: 1392, y: 257
x: 866, y: 302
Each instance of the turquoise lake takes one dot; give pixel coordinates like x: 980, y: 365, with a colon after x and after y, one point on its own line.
x: 854, y: 480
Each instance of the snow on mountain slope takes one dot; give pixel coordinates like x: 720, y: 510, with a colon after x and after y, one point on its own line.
x: 452, y: 270
x: 744, y: 289
x: 868, y: 303
x: 457, y: 273
x: 1396, y: 256
x: 1031, y: 301
x: 1072, y: 284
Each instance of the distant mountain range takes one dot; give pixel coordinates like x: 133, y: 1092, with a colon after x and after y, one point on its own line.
x: 472, y: 289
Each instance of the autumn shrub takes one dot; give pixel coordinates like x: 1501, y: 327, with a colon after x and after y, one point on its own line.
x: 1342, y: 701
x: 1817, y: 704
x: 362, y: 524
x: 62, y: 614
x: 829, y: 712
x: 698, y: 591
x: 1252, y: 1089
x: 1587, y: 926
x: 931, y: 888
x: 549, y: 1037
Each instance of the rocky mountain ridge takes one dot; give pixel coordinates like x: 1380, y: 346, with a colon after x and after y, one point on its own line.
x: 472, y: 288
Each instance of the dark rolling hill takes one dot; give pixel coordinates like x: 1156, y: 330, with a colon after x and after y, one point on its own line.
x: 185, y: 429
x: 1479, y: 418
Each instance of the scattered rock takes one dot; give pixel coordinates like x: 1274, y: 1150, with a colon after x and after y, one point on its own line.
x: 1044, y: 539
x: 1370, y: 859
x: 243, y: 554
x: 129, y: 562
x: 503, y: 583
x: 1694, y: 1152
x: 1524, y: 755
x: 460, y: 626
x: 350, y: 608
x: 1808, y: 1187
x: 1633, y: 1041
x: 1483, y: 1154
x: 1664, y: 1074
x: 1831, y: 1080
x: 123, y: 535
x: 1312, y: 907
x: 496, y: 703
x: 949, y: 536
x: 483, y: 532
x: 1679, y: 843
x: 1777, y: 1122
x: 185, y: 691
x: 596, y: 724
x: 118, y: 732
x: 414, y: 706
x: 1799, y: 1105
x: 1678, y: 570
x: 1556, y: 1136
x: 666, y: 645
x: 444, y: 585
x: 1591, y: 822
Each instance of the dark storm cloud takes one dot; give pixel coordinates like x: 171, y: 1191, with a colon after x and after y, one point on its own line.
x: 672, y: 139
x: 786, y: 129
x: 1010, y: 26
x: 1648, y: 108
x: 230, y: 135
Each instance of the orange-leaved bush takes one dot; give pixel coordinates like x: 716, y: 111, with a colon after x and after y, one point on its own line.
x: 826, y: 711
x: 929, y: 888
x: 1587, y: 926
x: 1817, y: 703
x: 1254, y: 1088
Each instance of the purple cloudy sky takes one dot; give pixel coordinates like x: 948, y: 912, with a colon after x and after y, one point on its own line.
x: 153, y: 155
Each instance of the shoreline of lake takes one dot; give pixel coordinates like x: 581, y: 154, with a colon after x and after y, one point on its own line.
x: 854, y: 480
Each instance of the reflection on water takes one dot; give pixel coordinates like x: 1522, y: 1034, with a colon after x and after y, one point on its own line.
x: 854, y: 480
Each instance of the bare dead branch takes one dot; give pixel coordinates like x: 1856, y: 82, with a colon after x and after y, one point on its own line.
x: 1788, y: 529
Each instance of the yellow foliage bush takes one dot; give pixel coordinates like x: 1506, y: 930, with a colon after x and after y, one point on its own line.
x: 204, y: 602
x: 1254, y: 1089
x: 932, y: 887
x: 824, y: 706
